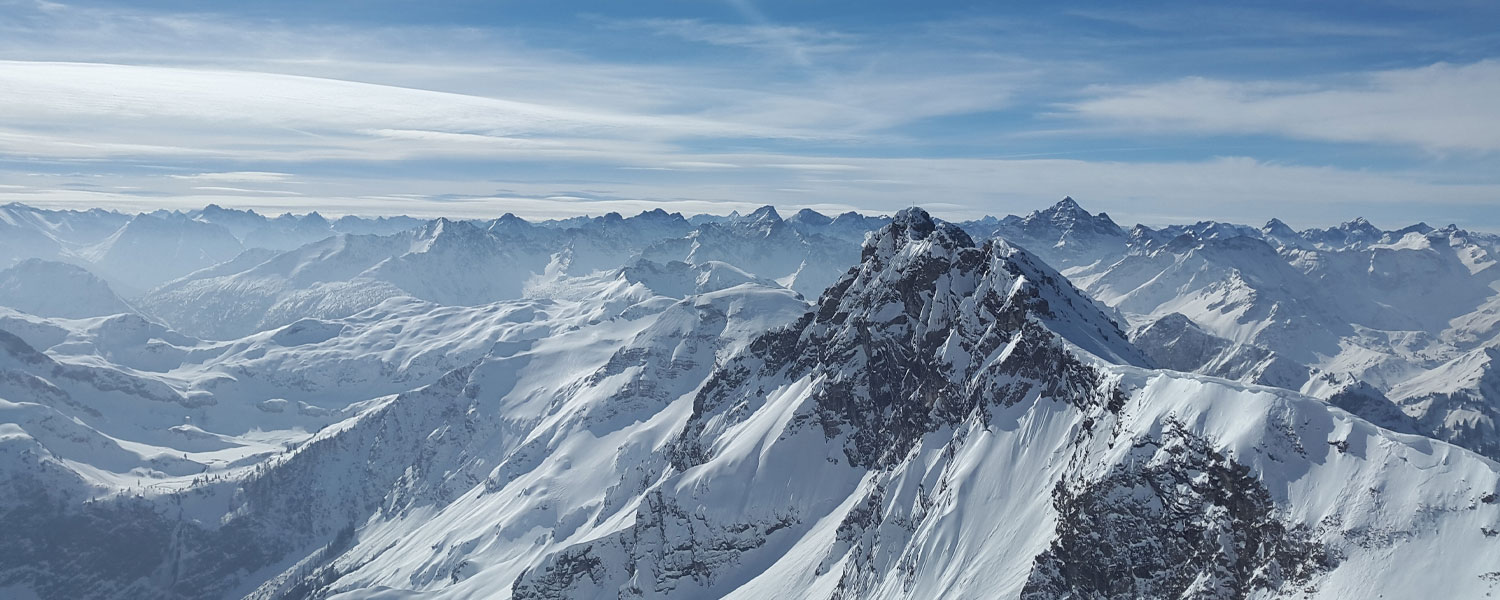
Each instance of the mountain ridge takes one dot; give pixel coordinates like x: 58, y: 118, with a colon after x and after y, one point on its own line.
x: 948, y: 415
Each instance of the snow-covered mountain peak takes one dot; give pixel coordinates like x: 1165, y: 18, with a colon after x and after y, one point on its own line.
x: 1278, y: 226
x: 849, y: 216
x: 1213, y: 229
x: 1067, y: 214
x: 1279, y: 232
x: 928, y: 272
x: 925, y: 330
x: 437, y: 226
x: 811, y: 218
x: 924, y: 294
x: 1359, y: 224
x: 657, y: 214
x: 764, y: 221
x: 153, y: 248
x: 1142, y: 237
x: 1067, y: 206
x: 442, y: 233
x: 914, y: 228
x: 213, y: 211
x: 510, y: 227
x: 764, y: 214
x: 1348, y: 235
x: 1065, y: 234
x: 54, y: 289
x: 913, y: 217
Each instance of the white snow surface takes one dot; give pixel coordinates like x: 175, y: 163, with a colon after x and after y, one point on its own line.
x: 298, y: 407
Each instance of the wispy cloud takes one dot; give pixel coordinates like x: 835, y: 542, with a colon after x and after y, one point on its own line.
x: 237, y: 177
x: 815, y: 166
x: 1234, y: 21
x: 701, y: 164
x: 797, y: 41
x: 1441, y: 107
x: 94, y: 110
x: 235, y: 190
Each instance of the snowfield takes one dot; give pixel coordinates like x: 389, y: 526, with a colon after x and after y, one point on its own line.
x: 219, y: 404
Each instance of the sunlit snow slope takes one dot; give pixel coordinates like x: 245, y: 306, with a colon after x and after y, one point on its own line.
x: 949, y: 418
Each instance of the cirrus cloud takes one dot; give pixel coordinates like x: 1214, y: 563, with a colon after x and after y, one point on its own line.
x: 1440, y: 107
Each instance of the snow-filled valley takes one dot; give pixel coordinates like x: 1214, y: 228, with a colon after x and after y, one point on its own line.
x: 220, y: 404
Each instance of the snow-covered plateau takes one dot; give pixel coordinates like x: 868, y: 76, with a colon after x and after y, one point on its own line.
x: 221, y: 404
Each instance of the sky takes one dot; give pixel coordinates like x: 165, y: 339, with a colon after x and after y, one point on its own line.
x: 1156, y: 112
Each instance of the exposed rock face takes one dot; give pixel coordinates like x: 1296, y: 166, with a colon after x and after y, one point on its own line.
x: 669, y: 545
x: 925, y: 331
x: 1182, y: 522
x: 139, y: 547
x: 931, y: 333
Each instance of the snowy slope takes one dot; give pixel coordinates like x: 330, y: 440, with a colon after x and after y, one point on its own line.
x: 27, y: 232
x: 790, y: 252
x: 1384, y: 309
x: 950, y: 418
x: 152, y: 249
x: 630, y: 343
x: 449, y: 262
x: 1235, y: 288
x: 69, y: 227
x: 1175, y: 342
x: 53, y: 289
x: 458, y: 263
x: 809, y: 467
x: 1458, y: 401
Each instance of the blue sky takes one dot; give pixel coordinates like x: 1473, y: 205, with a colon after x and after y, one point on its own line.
x: 1156, y: 112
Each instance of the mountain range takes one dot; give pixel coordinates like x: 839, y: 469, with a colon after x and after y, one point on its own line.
x: 220, y: 404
